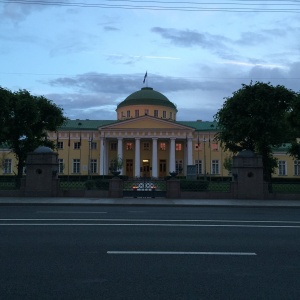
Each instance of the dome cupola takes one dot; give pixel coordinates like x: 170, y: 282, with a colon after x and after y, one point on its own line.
x: 146, y: 101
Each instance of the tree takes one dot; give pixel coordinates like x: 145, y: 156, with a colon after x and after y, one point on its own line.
x: 4, y: 112
x: 257, y: 117
x: 28, y: 119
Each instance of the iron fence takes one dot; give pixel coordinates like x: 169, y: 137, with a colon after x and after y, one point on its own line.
x: 144, y: 187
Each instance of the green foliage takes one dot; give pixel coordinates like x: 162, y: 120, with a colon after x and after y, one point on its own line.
x: 257, y: 117
x: 116, y: 164
x: 97, y: 184
x: 194, y: 185
x: 228, y: 163
x: 26, y: 121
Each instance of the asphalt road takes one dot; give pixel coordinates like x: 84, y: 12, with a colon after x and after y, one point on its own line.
x: 133, y: 252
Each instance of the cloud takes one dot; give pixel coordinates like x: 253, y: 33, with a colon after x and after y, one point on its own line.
x: 110, y: 28
x: 17, y: 12
x: 189, y: 38
x: 85, y: 106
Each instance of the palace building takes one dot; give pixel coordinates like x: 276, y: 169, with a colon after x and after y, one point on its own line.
x: 148, y: 139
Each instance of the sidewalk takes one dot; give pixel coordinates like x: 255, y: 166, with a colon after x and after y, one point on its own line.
x: 147, y: 202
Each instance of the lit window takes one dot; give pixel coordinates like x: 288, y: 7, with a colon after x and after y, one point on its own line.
x: 7, y: 168
x: 156, y: 113
x: 129, y: 146
x: 215, y: 166
x: 113, y: 146
x: 214, y: 146
x: 76, y: 166
x: 162, y: 146
x: 198, y: 146
x: 282, y: 167
x: 178, y: 147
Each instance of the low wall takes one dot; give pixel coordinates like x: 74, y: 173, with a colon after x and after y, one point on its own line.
x: 206, y: 195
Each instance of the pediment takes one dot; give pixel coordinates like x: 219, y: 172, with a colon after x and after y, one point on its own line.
x: 146, y: 123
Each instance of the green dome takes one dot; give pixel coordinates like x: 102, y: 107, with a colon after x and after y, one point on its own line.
x: 147, y: 96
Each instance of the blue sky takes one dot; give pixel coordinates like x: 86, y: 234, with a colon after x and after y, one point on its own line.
x: 89, y: 55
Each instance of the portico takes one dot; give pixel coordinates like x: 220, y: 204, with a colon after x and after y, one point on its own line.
x: 162, y: 147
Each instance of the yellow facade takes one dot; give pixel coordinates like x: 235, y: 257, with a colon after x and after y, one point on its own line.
x: 150, y: 145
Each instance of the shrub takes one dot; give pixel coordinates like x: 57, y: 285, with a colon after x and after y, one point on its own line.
x: 194, y: 185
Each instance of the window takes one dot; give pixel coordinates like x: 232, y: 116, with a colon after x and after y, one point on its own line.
x: 61, y: 165
x: 60, y: 145
x: 215, y: 166
x: 178, y: 147
x: 282, y: 167
x: 164, y: 114
x: 297, y: 167
x: 162, y: 146
x: 214, y: 146
x: 136, y: 113
x: 198, y: 146
x: 76, y: 166
x: 128, y: 113
x: 171, y: 115
x: 129, y: 146
x: 198, y: 164
x: 146, y: 111
x: 146, y: 146
x: 156, y: 113
x: 93, y: 145
x: 179, y: 166
x: 93, y: 166
x: 7, y: 169
x: 77, y: 145
x: 113, y: 146
x: 123, y: 116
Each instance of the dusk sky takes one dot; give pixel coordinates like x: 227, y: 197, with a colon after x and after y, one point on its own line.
x: 89, y: 55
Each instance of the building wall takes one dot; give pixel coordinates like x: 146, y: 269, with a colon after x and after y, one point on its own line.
x: 207, y: 153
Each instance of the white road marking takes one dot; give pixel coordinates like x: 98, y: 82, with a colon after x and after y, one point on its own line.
x: 181, y: 253
x: 71, y: 212
x: 157, y: 220
x: 153, y: 225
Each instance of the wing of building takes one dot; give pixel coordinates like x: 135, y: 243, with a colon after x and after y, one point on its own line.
x: 148, y: 139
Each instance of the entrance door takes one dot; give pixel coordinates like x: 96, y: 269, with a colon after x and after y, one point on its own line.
x: 162, y: 168
x: 129, y: 167
x: 146, y: 168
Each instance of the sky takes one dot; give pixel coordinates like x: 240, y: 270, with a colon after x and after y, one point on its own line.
x: 89, y: 55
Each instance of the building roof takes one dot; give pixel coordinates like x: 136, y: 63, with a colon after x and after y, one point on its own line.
x: 85, y: 124
x: 148, y: 96
x: 200, y: 125
x: 95, y: 124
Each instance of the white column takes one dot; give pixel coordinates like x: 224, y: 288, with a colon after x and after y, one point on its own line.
x: 172, y: 163
x: 154, y: 158
x: 102, y: 158
x: 190, y: 151
x: 137, y: 158
x: 120, y: 151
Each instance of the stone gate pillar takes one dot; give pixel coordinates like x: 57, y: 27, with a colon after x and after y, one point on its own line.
x: 248, y: 179
x: 42, y: 173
